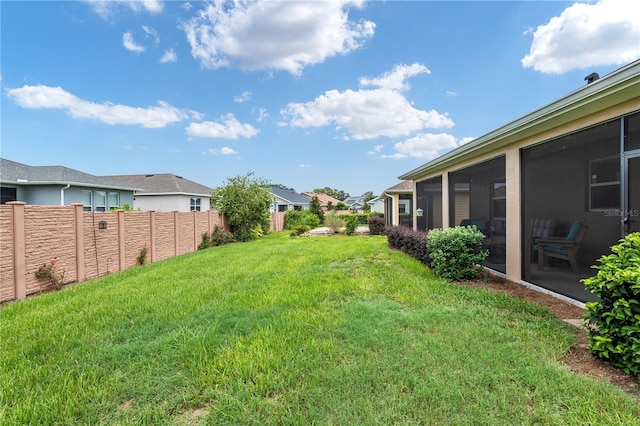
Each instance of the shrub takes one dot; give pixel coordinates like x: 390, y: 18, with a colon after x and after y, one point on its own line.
x: 142, y: 257
x: 316, y: 209
x: 299, y: 230
x: 614, y: 320
x: 454, y: 252
x: 376, y: 225
x: 50, y: 272
x: 218, y: 237
x: 334, y: 222
x: 351, y: 225
x: 413, y: 243
x: 294, y: 218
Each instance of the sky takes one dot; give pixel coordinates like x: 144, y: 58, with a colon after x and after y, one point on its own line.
x: 341, y: 94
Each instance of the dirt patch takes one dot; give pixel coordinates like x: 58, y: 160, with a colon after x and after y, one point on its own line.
x: 579, y: 359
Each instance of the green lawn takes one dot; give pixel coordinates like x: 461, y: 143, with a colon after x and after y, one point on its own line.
x: 327, y: 330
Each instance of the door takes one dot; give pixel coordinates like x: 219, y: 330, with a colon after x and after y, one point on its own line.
x: 631, y: 210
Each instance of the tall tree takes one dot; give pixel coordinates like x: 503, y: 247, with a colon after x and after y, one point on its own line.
x: 316, y: 208
x: 332, y: 192
x: 245, y: 202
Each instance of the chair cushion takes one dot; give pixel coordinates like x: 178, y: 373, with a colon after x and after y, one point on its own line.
x: 559, y: 250
x: 573, y: 231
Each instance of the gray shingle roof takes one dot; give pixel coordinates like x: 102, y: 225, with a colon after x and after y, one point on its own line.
x: 289, y: 195
x: 23, y: 174
x: 162, y: 183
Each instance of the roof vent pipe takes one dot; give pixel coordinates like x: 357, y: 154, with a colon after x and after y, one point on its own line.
x: 592, y: 77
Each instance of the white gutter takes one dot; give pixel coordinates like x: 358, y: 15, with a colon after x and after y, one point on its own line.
x: 62, y: 194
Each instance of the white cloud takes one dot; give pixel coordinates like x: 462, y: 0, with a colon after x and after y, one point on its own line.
x: 130, y: 44
x: 229, y: 128
x: 106, y: 8
x: 36, y: 97
x: 225, y: 150
x: 587, y: 35
x: 396, y: 79
x: 278, y: 35
x: 150, y: 32
x: 304, y: 166
x: 371, y: 113
x: 376, y: 149
x: 262, y: 114
x: 243, y: 97
x: 424, y: 146
x: 451, y: 93
x: 169, y: 56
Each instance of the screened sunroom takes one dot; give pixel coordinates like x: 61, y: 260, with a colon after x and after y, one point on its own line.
x: 551, y: 191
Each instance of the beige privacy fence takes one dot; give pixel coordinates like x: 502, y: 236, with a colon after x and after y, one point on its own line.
x: 86, y: 245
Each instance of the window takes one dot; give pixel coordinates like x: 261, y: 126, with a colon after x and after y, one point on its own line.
x: 114, y: 200
x: 101, y: 201
x: 499, y: 199
x: 87, y: 200
x: 604, y: 184
x: 195, y: 204
x: 8, y: 194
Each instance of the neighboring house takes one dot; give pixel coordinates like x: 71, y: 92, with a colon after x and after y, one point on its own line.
x: 376, y: 205
x: 60, y: 186
x: 398, y: 202
x: 326, y: 201
x: 167, y: 192
x: 287, y: 199
x: 572, y: 165
x: 355, y: 203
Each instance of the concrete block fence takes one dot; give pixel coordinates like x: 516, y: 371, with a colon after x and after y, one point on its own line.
x: 88, y: 245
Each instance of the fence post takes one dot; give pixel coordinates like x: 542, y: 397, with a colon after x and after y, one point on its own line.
x: 152, y: 236
x: 195, y: 230
x: 121, y: 244
x: 19, y: 261
x: 78, y: 214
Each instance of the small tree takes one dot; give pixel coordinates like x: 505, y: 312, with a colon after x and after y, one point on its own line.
x: 315, y: 208
x: 245, y: 202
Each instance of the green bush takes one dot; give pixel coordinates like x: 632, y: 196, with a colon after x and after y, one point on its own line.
x: 218, y: 237
x: 614, y: 320
x: 351, y: 225
x: 299, y: 230
x: 294, y: 218
x: 455, y: 252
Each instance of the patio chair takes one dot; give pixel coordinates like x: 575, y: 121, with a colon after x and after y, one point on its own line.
x: 562, y: 248
x: 540, y: 228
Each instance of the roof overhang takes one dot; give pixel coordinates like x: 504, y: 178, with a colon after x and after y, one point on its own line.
x: 64, y: 183
x: 615, y: 88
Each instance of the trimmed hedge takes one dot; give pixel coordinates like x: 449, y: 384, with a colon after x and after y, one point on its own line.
x: 614, y: 321
x: 413, y: 243
x: 376, y: 225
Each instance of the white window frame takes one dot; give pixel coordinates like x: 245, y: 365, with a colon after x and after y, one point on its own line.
x: 87, y: 207
x: 195, y: 204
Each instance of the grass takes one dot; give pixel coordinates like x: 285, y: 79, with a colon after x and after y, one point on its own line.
x: 328, y: 331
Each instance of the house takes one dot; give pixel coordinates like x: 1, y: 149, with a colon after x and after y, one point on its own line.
x: 552, y: 190
x: 356, y: 203
x: 166, y: 192
x: 287, y: 199
x: 60, y: 186
x: 326, y: 202
x: 398, y: 201
x: 376, y: 205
